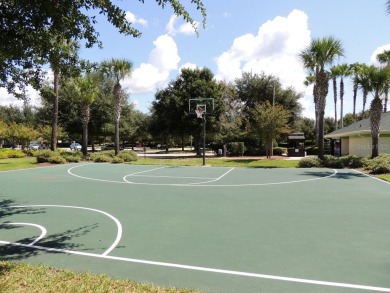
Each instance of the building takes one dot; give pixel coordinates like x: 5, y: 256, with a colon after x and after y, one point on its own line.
x: 355, y: 139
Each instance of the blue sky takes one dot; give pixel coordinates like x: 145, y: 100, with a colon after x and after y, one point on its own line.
x: 247, y: 35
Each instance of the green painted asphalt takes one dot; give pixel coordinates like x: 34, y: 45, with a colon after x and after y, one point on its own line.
x: 233, y: 229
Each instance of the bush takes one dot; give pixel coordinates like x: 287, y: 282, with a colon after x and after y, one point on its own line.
x: 378, y: 165
x: 236, y: 148
x: 101, y: 158
x: 31, y: 153
x: 57, y: 159
x: 71, y: 159
x: 309, y: 163
x: 11, y: 153
x: 311, y: 151
x: 44, y: 155
x: 117, y: 160
x: 128, y: 156
x: 279, y: 151
x: 352, y: 161
x: 332, y: 162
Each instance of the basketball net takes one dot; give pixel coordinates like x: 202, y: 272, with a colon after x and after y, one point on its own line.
x: 199, y: 112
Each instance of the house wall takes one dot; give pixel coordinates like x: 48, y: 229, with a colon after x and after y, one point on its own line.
x: 361, y: 146
x: 344, y: 146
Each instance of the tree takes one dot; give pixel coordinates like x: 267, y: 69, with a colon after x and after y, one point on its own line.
x: 355, y: 70
x: 379, y: 82
x: 364, y: 83
x: 170, y: 114
x: 334, y: 74
x: 320, y: 53
x: 384, y: 58
x: 270, y: 122
x: 117, y: 69
x: 84, y: 91
x: 28, y: 26
x: 343, y: 71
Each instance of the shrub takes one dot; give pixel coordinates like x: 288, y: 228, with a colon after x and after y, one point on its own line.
x: 309, y: 163
x: 16, y: 154
x: 44, y: 155
x: 311, y: 151
x: 352, y: 161
x: 378, y: 165
x: 71, y: 159
x: 236, y: 148
x: 117, y: 160
x: 279, y: 151
x: 101, y: 158
x: 56, y: 159
x: 31, y: 153
x: 128, y: 156
x: 332, y: 162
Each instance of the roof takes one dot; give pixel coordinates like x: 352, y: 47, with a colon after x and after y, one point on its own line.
x: 361, y: 127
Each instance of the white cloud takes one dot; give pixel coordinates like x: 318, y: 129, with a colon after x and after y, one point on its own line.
x: 188, y: 65
x: 273, y: 50
x: 130, y: 17
x: 155, y: 73
x: 185, y: 29
x: 378, y: 51
x: 7, y: 99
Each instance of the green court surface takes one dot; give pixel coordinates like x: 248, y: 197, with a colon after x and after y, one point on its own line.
x: 212, y: 229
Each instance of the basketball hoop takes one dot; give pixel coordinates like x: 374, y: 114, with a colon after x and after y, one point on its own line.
x: 199, y: 112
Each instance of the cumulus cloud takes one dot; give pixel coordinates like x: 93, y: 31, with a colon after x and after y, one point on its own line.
x: 131, y: 17
x: 377, y: 51
x: 188, y: 65
x: 7, y: 99
x: 273, y: 50
x: 185, y: 29
x: 150, y: 75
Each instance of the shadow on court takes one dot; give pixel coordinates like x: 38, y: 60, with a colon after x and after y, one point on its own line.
x: 61, y: 241
x: 344, y: 175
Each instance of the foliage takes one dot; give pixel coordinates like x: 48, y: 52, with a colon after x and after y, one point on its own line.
x: 10, y: 153
x: 352, y: 161
x: 329, y: 161
x: 117, y: 160
x: 379, y: 164
x: 72, y: 157
x: 279, y: 151
x: 27, y: 34
x: 236, y: 148
x: 128, y: 156
x: 269, y: 123
x: 101, y: 158
x: 43, y: 156
x: 56, y: 160
x: 309, y: 163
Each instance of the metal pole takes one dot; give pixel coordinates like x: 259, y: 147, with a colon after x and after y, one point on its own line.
x: 204, y: 139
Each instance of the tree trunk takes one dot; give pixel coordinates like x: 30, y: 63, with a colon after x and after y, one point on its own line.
x: 117, y: 115
x: 322, y: 91
x: 335, y: 101
x: 341, y: 103
x: 54, y: 123
x: 355, y: 89
x: 375, y: 121
x: 86, y: 114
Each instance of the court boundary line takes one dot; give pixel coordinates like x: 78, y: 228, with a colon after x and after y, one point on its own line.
x: 205, y: 269
x: 372, y: 177
x: 200, y: 184
x: 118, y: 224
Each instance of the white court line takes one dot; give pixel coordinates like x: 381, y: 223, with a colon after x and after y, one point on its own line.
x: 205, y: 269
x: 141, y: 172
x: 175, y: 177
x: 216, y: 179
x: 373, y: 177
x: 200, y: 184
x: 43, y: 230
x: 118, y: 224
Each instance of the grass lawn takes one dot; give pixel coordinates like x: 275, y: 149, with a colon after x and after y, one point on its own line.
x: 23, y: 278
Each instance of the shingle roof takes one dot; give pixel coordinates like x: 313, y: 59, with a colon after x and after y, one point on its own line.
x: 362, y: 126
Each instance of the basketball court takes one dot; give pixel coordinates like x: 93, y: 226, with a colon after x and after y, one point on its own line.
x: 206, y: 228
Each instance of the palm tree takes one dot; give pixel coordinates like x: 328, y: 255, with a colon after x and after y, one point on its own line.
x: 363, y: 81
x: 379, y: 83
x: 84, y: 90
x: 117, y: 69
x: 384, y: 58
x: 355, y: 69
x: 320, y: 53
x: 334, y: 74
x: 344, y: 71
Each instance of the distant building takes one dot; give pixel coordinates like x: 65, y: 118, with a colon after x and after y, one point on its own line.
x: 355, y: 139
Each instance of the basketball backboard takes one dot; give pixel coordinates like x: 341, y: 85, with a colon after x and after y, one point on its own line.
x: 202, y: 106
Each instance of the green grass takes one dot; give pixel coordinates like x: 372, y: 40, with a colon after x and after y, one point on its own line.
x: 219, y: 162
x: 23, y: 278
x: 20, y: 163
x: 385, y: 177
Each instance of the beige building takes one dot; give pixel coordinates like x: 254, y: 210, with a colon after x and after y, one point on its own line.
x: 356, y: 138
